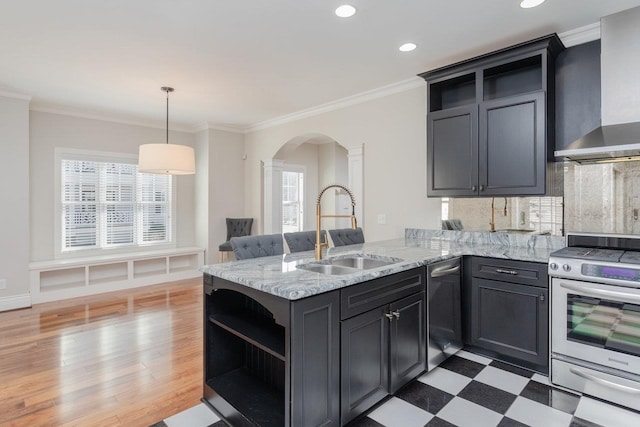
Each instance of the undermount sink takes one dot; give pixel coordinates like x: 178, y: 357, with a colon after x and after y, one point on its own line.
x: 347, y: 264
x: 327, y: 269
x: 361, y: 262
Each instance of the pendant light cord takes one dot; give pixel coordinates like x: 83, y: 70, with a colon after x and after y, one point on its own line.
x: 167, y: 89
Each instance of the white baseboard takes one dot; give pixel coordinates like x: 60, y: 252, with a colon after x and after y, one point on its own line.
x: 15, y: 302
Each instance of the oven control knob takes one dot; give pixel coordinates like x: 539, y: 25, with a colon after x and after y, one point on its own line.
x: 566, y: 267
x: 553, y: 266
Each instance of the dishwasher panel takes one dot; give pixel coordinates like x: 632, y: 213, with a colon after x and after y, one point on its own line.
x: 444, y: 317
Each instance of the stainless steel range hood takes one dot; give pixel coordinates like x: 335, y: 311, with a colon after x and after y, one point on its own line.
x: 606, y: 144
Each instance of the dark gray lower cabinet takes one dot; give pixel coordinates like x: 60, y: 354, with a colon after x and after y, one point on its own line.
x: 364, y: 362
x: 315, y: 362
x: 383, y: 348
x: 407, y: 340
x: 510, y: 320
x: 380, y: 354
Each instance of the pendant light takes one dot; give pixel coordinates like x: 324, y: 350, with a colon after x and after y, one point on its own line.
x: 166, y: 159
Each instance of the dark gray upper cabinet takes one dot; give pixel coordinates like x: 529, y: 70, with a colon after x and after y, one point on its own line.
x: 460, y: 176
x: 490, y: 123
x: 512, y: 149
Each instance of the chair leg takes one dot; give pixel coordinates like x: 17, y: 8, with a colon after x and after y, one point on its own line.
x: 220, y: 256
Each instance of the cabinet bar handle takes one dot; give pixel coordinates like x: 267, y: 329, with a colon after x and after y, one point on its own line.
x: 473, y: 188
x: 511, y: 272
x: 396, y: 313
x: 481, y: 187
x: 389, y: 316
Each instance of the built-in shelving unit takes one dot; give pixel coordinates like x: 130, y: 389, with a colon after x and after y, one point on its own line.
x: 149, y: 267
x: 455, y: 92
x: 73, y: 277
x: 266, y: 336
x: 247, y: 362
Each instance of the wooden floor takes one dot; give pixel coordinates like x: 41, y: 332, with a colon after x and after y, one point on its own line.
x: 127, y: 358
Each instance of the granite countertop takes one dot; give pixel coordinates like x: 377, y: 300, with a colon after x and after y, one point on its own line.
x: 279, y: 276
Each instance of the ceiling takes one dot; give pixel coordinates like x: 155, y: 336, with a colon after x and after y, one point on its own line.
x: 239, y: 63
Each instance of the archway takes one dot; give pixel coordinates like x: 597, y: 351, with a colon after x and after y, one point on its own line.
x: 334, y: 163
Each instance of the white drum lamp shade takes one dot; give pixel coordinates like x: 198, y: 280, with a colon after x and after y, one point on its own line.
x: 166, y: 159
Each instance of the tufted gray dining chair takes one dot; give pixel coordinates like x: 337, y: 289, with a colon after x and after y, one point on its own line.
x: 236, y: 227
x: 303, y: 240
x: 452, y: 224
x: 257, y: 246
x: 347, y: 236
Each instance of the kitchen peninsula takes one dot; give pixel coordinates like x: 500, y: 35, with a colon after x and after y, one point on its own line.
x: 288, y: 346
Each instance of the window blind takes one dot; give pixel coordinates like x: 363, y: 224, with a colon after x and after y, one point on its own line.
x: 546, y: 214
x: 107, y: 204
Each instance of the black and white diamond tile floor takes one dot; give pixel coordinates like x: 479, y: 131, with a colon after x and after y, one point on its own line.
x: 469, y: 390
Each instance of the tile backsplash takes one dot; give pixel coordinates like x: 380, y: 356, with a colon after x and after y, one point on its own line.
x: 527, y: 215
x: 598, y: 198
x: 602, y: 198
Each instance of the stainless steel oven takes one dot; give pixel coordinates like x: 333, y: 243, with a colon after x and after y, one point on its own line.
x: 595, y: 317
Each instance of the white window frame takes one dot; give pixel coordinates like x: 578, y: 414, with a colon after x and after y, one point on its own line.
x: 61, y: 154
x: 300, y: 169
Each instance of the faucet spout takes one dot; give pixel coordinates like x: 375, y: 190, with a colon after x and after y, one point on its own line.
x: 319, y: 243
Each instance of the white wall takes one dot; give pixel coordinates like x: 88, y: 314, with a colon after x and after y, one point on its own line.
x: 621, y: 67
x: 14, y: 187
x: 49, y: 131
x: 393, y: 131
x: 226, y: 181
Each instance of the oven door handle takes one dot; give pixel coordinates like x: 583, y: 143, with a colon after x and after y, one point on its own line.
x: 603, y: 382
x: 602, y: 293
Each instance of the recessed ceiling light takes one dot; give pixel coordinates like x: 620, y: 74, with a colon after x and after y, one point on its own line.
x: 527, y: 4
x: 345, y: 11
x: 407, y: 47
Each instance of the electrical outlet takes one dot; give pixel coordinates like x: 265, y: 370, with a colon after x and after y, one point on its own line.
x: 3, y: 283
x: 382, y: 219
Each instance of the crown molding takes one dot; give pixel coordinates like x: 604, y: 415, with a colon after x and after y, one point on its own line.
x: 581, y: 35
x: 6, y: 93
x: 74, y: 112
x: 359, y: 98
x: 206, y: 126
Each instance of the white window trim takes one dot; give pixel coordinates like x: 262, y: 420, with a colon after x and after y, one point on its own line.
x: 291, y: 167
x: 60, y: 154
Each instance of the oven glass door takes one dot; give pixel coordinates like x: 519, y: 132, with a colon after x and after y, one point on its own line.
x: 596, y: 323
x: 604, y: 323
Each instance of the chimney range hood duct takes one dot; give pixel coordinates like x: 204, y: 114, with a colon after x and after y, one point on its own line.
x: 606, y: 144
